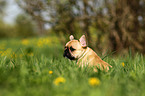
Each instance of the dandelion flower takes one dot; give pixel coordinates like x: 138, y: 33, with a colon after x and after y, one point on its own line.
x: 123, y: 64
x: 1, y: 52
x: 94, y: 81
x: 59, y: 80
x: 50, y: 72
x: 25, y: 42
x: 40, y: 43
x: 6, y: 52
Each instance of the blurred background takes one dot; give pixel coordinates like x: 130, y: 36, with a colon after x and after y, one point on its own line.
x: 109, y: 25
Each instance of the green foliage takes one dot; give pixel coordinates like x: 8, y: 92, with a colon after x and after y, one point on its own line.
x: 3, y: 4
x: 24, y: 26
x: 108, y: 24
x: 25, y: 71
x: 6, y: 30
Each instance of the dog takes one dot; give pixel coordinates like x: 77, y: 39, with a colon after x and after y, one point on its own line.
x: 85, y: 56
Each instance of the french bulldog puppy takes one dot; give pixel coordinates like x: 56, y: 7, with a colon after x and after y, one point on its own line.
x: 85, y: 56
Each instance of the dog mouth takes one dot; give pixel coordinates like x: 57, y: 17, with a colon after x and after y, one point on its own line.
x: 68, y: 55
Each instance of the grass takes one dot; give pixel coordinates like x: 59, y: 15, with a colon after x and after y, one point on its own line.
x: 24, y: 71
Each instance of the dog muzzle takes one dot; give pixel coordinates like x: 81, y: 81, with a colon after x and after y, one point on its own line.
x: 68, y: 55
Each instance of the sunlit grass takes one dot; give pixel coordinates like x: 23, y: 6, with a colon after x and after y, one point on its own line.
x: 27, y: 69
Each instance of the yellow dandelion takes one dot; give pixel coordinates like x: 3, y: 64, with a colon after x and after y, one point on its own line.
x: 50, y: 72
x: 40, y: 43
x: 123, y: 64
x: 47, y: 41
x: 25, y: 42
x: 59, y: 80
x: 1, y: 52
x: 6, y: 52
x: 94, y: 81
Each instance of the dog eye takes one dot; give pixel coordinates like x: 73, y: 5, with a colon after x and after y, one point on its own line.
x: 72, y: 49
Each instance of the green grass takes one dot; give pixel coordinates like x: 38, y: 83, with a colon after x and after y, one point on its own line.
x: 23, y: 74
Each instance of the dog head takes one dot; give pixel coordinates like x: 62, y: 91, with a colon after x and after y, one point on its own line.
x: 75, y: 48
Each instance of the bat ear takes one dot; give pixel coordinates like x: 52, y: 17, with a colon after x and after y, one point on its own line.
x: 71, y: 37
x: 83, y: 41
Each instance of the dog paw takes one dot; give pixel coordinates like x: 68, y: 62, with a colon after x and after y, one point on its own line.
x: 106, y: 66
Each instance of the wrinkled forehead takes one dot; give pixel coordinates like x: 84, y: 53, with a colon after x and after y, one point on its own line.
x: 73, y: 43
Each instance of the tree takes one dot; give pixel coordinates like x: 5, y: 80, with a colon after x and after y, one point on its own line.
x: 34, y: 8
x: 24, y: 26
x: 119, y: 22
x: 2, y: 7
x: 123, y: 24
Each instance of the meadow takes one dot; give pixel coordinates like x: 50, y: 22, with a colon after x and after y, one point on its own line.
x: 36, y: 67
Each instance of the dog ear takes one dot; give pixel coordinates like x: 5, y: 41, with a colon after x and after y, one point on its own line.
x: 83, y: 41
x: 71, y: 37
